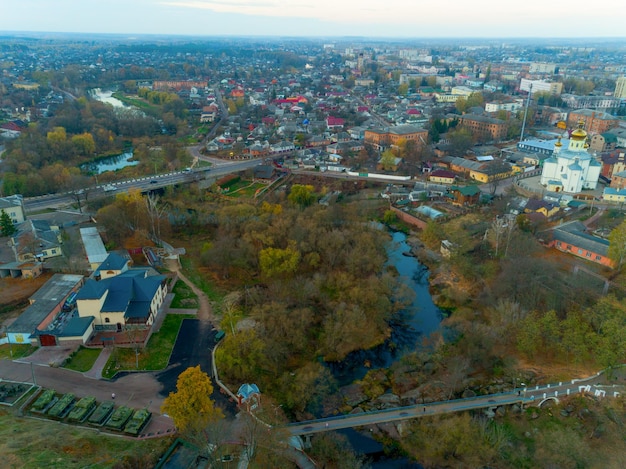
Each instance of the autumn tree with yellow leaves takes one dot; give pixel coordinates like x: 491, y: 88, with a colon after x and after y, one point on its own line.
x: 191, y: 406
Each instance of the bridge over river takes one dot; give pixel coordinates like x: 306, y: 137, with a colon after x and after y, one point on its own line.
x: 536, y: 396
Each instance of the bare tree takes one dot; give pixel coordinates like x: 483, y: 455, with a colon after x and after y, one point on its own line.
x: 498, y: 228
x: 155, y: 212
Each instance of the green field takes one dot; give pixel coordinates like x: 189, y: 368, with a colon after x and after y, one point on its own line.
x: 82, y: 360
x: 26, y: 443
x: 200, y: 280
x: 12, y: 351
x: 184, y: 296
x: 154, y: 357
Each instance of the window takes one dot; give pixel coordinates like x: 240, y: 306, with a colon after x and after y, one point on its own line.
x: 569, y: 247
x: 588, y: 254
x: 598, y: 258
x: 107, y: 320
x: 580, y: 251
x: 558, y: 243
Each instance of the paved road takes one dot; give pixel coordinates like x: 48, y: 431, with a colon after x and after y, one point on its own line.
x: 527, y: 396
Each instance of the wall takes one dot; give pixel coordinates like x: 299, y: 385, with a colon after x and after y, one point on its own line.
x: 409, y: 219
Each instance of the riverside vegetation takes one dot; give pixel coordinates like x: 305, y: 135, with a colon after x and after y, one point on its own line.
x: 305, y: 285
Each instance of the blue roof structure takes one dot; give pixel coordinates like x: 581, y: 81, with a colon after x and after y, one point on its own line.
x: 130, y: 292
x: 113, y: 262
x: 246, y: 390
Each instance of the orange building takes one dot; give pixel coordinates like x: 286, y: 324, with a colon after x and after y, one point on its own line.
x: 595, y: 122
x: 484, y: 129
x: 390, y: 136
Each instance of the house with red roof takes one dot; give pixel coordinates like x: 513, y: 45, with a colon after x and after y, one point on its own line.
x: 334, y: 123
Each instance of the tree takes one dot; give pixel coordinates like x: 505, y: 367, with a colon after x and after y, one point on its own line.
x: 460, y: 140
x: 617, y: 245
x: 7, y: 228
x: 388, y: 160
x: 275, y: 261
x: 301, y: 195
x: 191, y: 406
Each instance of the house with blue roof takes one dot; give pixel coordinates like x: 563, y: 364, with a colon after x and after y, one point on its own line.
x: 114, y: 264
x: 132, y: 297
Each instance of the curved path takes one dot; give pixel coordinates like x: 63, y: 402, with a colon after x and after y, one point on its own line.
x: 205, y: 311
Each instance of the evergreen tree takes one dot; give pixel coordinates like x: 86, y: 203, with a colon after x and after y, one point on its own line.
x: 7, y: 228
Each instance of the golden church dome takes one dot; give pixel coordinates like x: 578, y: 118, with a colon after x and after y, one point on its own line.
x: 579, y: 133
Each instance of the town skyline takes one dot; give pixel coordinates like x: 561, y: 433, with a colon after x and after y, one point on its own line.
x: 323, y: 18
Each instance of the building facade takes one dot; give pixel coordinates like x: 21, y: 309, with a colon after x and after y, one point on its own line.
x: 620, y: 88
x: 389, y: 136
x: 595, y: 122
x: 484, y: 129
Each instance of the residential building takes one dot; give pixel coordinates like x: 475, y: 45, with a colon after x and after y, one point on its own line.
x: 603, y: 142
x: 468, y: 195
x: 41, y: 318
x: 573, y: 169
x: 130, y: 298
x: 513, y: 106
x: 178, y: 85
x: 591, y: 102
x: 441, y: 176
x: 554, y: 88
x: 620, y: 88
x: 573, y: 238
x: 614, y: 195
x: 383, y: 138
x: 14, y: 206
x: 542, y: 67
x: 547, y: 209
x: 595, y: 122
x: 540, y: 146
x: 484, y: 128
x: 36, y: 239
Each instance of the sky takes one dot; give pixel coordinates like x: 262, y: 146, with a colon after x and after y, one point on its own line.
x: 320, y: 18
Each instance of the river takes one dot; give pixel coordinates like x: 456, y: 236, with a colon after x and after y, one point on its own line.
x: 420, y: 319
x: 106, y: 97
x: 109, y: 163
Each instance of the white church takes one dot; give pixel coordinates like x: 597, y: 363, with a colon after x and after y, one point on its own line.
x: 573, y: 169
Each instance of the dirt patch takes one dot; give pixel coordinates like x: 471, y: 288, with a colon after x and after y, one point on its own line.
x: 16, y: 291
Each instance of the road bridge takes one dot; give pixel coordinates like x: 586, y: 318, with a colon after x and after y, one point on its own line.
x: 536, y: 396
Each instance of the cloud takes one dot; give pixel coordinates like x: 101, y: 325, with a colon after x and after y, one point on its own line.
x: 346, y: 11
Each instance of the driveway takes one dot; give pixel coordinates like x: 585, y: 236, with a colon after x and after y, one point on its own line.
x: 193, y: 347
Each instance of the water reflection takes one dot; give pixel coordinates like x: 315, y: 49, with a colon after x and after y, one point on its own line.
x: 110, y: 163
x: 420, y: 319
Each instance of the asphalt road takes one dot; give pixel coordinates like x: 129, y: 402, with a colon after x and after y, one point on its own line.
x: 193, y: 347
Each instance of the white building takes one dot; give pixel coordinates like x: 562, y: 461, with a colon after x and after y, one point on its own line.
x: 620, y: 88
x: 14, y: 206
x: 554, y: 88
x: 499, y: 106
x: 573, y: 169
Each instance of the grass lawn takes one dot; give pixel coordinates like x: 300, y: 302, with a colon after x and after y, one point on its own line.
x: 184, y: 296
x: 154, y: 356
x: 199, y: 280
x: 32, y: 443
x: 19, y: 351
x: 245, y: 189
x: 137, y: 102
x: 83, y: 359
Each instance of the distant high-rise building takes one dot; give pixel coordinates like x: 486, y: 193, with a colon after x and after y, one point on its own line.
x: 620, y: 88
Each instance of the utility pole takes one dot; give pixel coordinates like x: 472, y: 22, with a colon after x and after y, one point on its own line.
x: 530, y: 93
